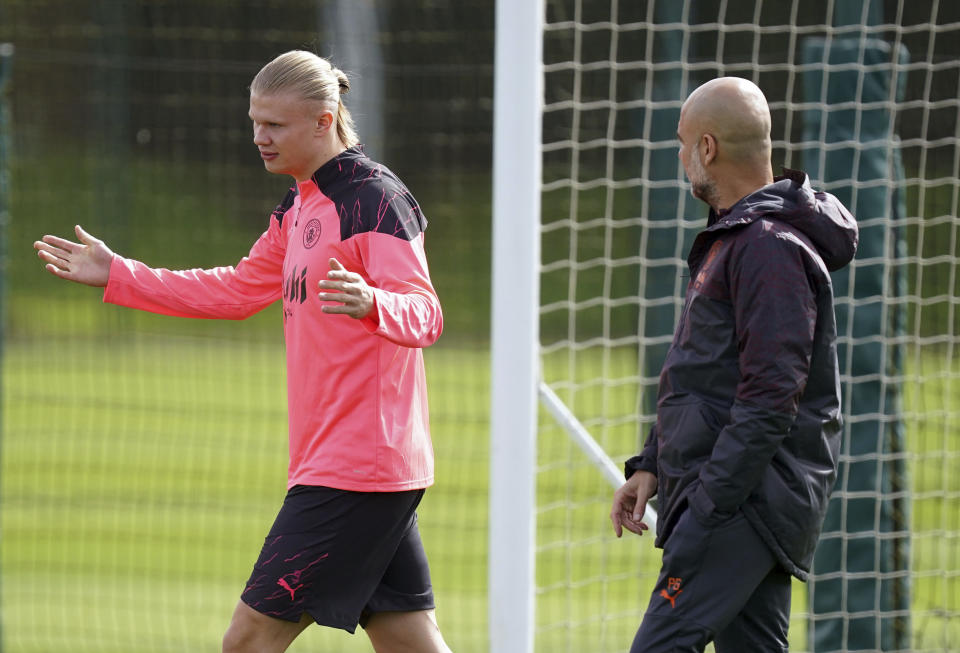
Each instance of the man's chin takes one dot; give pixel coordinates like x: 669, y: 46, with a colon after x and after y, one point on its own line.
x: 703, y: 192
x: 273, y: 167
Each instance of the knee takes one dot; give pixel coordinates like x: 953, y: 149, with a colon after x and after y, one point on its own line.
x: 234, y: 642
x: 405, y: 632
x: 239, y: 638
x: 659, y: 634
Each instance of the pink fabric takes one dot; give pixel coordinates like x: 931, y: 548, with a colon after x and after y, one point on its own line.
x: 356, y: 389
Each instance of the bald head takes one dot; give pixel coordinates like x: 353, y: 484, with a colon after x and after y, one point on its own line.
x: 725, y: 146
x: 735, y: 111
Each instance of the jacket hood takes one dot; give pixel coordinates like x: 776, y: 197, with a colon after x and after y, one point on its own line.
x: 819, y: 216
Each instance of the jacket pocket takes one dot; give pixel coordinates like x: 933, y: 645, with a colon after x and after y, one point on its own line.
x: 687, y: 433
x: 687, y: 542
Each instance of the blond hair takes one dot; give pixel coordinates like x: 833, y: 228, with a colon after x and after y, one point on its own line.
x: 312, y: 78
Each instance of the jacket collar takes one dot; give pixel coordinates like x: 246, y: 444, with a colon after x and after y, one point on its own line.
x: 347, y: 160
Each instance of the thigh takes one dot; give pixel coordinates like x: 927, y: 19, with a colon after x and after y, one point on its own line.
x: 405, y: 632
x: 250, y: 630
x: 327, y: 552
x: 762, y: 624
x: 405, y: 585
x: 709, y: 574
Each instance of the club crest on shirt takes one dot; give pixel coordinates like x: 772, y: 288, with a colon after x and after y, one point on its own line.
x: 311, y: 233
x: 705, y: 266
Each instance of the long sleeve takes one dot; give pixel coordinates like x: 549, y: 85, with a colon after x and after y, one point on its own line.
x: 407, y: 309
x: 647, y: 459
x: 776, y: 316
x: 232, y: 292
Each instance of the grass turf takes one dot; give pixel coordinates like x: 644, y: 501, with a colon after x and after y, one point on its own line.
x: 140, y: 473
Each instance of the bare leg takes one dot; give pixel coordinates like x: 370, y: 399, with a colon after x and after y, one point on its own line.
x: 406, y: 632
x: 252, y: 632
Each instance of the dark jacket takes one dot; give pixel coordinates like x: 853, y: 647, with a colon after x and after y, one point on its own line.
x: 748, y: 411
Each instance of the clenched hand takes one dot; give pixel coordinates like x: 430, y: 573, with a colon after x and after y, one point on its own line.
x: 354, y: 296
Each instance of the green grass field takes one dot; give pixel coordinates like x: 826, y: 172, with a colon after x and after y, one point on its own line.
x: 140, y: 476
x: 141, y: 471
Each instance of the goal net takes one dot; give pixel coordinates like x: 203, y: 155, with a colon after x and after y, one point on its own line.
x: 864, y: 98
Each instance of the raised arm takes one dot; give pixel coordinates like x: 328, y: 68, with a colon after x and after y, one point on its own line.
x: 233, y: 292
x: 87, y: 262
x: 229, y: 292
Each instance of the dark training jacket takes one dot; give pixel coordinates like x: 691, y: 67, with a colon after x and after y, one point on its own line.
x: 748, y: 411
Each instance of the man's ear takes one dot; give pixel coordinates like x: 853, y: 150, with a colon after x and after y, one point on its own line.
x: 324, y: 121
x: 708, y: 145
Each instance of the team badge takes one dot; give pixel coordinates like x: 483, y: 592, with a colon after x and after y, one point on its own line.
x: 311, y: 233
x: 705, y: 266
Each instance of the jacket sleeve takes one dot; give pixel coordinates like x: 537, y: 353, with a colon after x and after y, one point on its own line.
x: 232, y: 293
x: 406, y: 308
x: 775, y: 312
x: 647, y: 459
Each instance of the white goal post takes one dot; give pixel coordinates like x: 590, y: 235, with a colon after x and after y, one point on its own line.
x: 518, y: 81
x: 515, y: 358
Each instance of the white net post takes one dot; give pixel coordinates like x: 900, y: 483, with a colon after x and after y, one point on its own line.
x: 515, y: 365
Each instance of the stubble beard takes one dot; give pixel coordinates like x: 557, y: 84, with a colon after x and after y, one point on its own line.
x: 702, y: 187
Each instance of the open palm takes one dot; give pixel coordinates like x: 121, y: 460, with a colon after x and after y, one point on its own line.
x: 86, y: 262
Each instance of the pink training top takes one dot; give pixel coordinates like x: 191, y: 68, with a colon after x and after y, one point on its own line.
x: 356, y: 389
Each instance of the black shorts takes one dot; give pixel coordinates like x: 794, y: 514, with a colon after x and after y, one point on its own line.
x: 341, y: 556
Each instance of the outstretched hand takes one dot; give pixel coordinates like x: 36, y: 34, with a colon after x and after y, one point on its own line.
x: 630, y: 502
x: 354, y: 296
x: 86, y: 262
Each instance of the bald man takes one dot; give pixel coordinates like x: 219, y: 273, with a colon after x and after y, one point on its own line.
x: 743, y: 454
